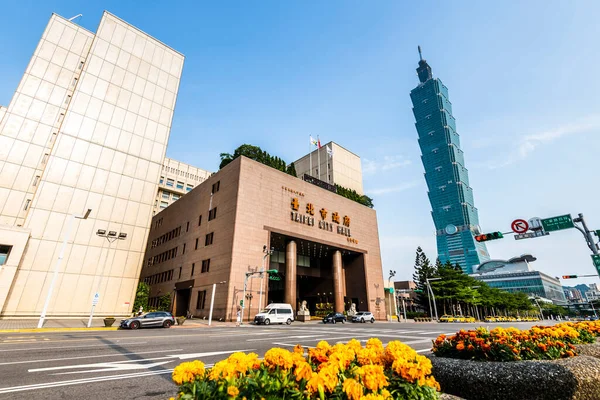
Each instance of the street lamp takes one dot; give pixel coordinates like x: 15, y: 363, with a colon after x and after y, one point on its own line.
x: 60, y: 257
x: 392, y: 274
x: 111, y: 236
x: 267, y: 252
x: 212, y: 300
x: 432, y: 295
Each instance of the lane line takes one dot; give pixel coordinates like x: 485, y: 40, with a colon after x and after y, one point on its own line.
x: 75, y: 347
x: 86, y: 357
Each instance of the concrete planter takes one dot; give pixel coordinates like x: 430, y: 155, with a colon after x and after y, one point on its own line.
x: 108, y: 322
x: 576, y: 378
x: 180, y: 320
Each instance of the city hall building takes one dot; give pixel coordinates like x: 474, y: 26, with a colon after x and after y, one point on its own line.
x: 325, y: 247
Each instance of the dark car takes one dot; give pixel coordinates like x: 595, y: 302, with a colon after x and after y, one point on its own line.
x: 334, y: 317
x: 150, y: 320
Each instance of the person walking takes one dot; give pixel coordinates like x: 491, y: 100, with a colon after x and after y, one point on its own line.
x: 238, y: 320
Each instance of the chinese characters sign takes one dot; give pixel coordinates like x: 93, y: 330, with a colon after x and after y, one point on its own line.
x: 335, y: 222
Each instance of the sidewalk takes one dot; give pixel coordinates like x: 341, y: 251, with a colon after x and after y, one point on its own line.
x: 53, y: 325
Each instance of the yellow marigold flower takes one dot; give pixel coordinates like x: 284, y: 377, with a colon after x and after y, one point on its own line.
x: 354, y: 345
x: 386, y: 394
x: 372, y: 396
x: 188, y: 372
x: 372, y: 377
x: 374, y: 343
x: 303, y: 371
x: 329, y: 377
x: 314, y: 383
x: 298, y: 349
x: 353, y: 389
x: 277, y: 357
x: 233, y: 391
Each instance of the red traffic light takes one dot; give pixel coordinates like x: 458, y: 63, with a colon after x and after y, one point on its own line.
x: 569, y: 276
x: 489, y: 236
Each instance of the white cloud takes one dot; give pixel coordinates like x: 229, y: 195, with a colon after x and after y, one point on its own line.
x: 389, y: 162
x: 394, y: 189
x: 530, y: 143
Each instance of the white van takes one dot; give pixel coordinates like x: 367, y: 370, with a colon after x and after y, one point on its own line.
x: 275, y: 313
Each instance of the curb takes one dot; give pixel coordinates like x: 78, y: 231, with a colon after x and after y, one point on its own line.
x: 32, y: 330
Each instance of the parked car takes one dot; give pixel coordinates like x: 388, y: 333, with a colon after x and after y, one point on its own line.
x: 150, y: 320
x: 334, y: 317
x: 275, y: 313
x: 363, y: 316
x: 446, y: 318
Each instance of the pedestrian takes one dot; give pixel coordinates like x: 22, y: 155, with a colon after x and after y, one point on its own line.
x: 140, y: 311
x: 238, y: 320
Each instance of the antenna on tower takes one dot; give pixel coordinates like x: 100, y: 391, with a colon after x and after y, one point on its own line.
x: 420, y: 55
x: 77, y: 16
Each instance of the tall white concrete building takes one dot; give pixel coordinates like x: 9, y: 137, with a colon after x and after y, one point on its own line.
x: 87, y: 128
x: 338, y: 167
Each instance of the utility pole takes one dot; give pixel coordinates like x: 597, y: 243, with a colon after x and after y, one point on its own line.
x: 589, y: 237
x: 432, y: 295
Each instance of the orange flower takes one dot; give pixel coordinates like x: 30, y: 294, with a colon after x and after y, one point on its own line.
x: 460, y: 346
x: 470, y: 347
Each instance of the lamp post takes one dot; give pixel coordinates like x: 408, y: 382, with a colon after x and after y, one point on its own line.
x: 212, y: 300
x: 56, y: 267
x: 249, y: 298
x: 111, y: 236
x: 267, y: 252
x: 432, y: 295
x: 392, y: 274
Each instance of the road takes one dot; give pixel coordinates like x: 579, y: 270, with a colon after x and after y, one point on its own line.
x: 138, y: 364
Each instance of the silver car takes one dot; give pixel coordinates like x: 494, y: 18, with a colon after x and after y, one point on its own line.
x: 150, y: 320
x: 363, y: 316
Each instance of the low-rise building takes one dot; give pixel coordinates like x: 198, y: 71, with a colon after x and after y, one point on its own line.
x: 176, y: 179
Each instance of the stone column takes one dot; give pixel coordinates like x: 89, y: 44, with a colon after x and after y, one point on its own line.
x: 338, y: 291
x: 290, y: 274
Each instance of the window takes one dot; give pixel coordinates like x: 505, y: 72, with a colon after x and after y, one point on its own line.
x: 180, y: 268
x: 27, y: 202
x: 176, y: 197
x: 67, y: 99
x: 205, y: 266
x: 183, y: 252
x: 200, y: 220
x: 170, y: 182
x: 45, y: 158
x: 201, y: 300
x: 212, y: 214
x: 196, y: 248
x: 81, y: 65
x: 209, y: 239
x: 165, y: 195
x: 162, y: 180
x: 4, y: 252
x: 193, y: 267
x: 179, y: 185
x: 187, y: 227
x: 189, y: 187
x: 36, y: 180
x: 215, y: 187
x: 163, y: 205
x: 74, y: 82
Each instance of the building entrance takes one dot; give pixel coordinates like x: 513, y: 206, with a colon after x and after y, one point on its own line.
x: 328, y: 278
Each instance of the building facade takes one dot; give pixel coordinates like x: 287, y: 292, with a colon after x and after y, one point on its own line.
x: 176, y: 179
x: 336, y: 167
x: 533, y: 283
x: 453, y: 209
x: 86, y: 129
x: 324, y: 246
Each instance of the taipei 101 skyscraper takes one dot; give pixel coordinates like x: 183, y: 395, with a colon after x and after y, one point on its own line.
x: 453, y: 209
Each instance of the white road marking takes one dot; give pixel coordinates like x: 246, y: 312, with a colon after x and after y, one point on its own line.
x: 107, y: 366
x: 75, y: 347
x: 212, y: 353
x: 77, y: 358
x: 422, y: 350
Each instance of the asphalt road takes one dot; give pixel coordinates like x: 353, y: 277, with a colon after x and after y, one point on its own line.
x: 138, y: 364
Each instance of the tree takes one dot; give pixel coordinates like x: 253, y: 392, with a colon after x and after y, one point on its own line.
x: 291, y: 170
x: 141, y: 296
x: 164, y: 302
x: 423, y: 270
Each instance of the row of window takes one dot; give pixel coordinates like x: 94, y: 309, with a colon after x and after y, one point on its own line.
x: 180, y: 185
x: 164, y: 256
x: 166, y: 237
x: 159, y: 278
x: 186, y: 174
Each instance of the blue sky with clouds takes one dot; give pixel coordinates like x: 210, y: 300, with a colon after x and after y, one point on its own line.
x: 522, y: 78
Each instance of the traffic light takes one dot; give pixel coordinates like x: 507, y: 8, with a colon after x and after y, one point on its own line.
x: 569, y: 276
x: 489, y: 236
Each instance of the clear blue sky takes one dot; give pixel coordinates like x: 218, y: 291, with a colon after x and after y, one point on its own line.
x: 523, y: 80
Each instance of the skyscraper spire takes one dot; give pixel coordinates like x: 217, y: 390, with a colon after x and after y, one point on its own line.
x: 424, y: 70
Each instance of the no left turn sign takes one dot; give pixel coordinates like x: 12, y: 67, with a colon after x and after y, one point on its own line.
x: 519, y: 226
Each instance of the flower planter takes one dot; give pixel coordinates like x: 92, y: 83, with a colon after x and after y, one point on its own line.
x: 108, y: 322
x: 180, y: 320
x: 571, y: 378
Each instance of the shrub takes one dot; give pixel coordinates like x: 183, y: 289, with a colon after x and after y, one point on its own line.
x: 343, y: 371
x: 511, y: 344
